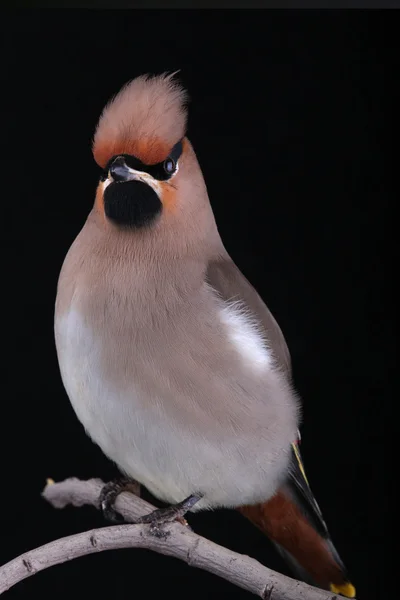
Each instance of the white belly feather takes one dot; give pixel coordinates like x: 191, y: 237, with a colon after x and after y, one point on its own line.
x: 115, y: 423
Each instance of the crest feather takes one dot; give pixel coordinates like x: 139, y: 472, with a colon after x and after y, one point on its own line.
x: 146, y: 118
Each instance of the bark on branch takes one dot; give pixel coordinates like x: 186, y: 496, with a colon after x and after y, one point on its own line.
x: 181, y: 543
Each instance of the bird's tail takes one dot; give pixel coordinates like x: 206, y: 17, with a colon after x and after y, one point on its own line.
x: 293, y: 521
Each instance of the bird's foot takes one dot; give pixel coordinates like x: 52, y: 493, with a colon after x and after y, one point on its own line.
x: 161, y: 516
x: 109, y: 493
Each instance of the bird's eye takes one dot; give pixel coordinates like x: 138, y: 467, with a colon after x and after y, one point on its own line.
x: 169, y: 166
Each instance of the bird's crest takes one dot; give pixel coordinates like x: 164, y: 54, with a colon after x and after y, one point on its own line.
x: 146, y: 118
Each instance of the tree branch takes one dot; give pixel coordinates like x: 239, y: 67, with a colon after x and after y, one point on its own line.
x: 180, y: 542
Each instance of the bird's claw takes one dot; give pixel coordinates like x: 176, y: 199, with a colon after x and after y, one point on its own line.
x: 157, y: 518
x: 108, y: 496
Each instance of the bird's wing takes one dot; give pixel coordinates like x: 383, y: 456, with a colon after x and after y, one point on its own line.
x: 300, y: 488
x: 230, y: 283
x: 292, y: 519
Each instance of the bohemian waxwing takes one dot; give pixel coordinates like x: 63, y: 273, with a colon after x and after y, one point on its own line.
x: 170, y: 358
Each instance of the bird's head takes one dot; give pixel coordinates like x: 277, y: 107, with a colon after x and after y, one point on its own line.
x: 151, y: 178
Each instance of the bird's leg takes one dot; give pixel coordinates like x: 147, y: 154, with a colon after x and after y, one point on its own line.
x: 175, y: 512
x: 109, y: 494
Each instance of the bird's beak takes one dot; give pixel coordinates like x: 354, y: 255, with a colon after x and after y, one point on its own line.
x: 120, y: 172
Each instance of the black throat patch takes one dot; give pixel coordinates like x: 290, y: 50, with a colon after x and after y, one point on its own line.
x: 132, y: 204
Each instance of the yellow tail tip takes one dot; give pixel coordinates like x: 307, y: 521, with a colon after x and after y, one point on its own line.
x: 346, y: 589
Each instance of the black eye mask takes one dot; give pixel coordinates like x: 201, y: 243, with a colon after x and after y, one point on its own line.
x: 161, y: 171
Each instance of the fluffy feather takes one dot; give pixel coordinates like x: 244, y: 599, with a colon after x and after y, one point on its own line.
x: 146, y: 118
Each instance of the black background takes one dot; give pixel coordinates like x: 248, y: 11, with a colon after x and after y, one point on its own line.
x: 287, y: 118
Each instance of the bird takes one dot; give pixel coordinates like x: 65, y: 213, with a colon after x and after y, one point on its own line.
x: 170, y: 358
